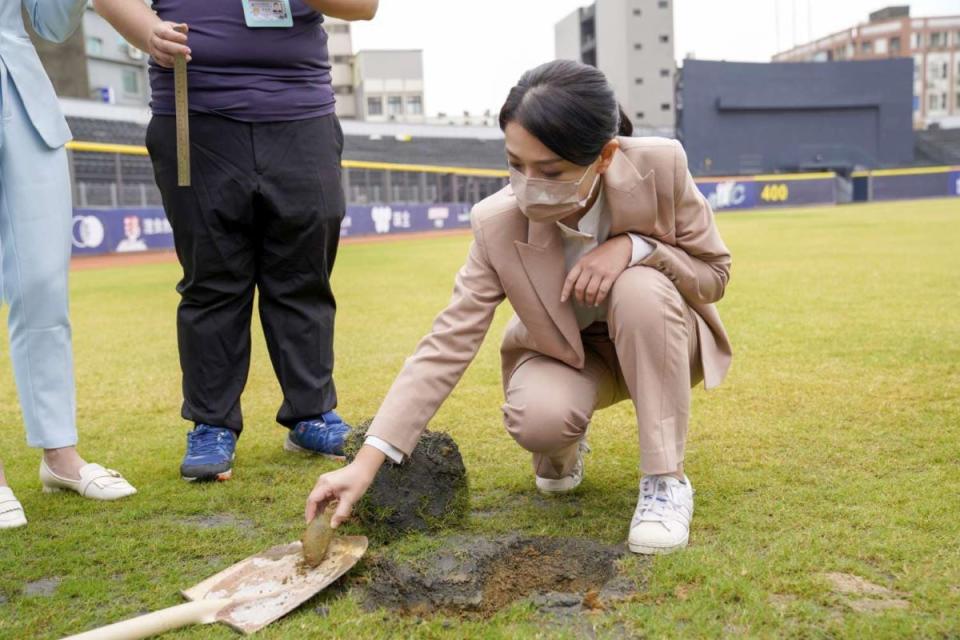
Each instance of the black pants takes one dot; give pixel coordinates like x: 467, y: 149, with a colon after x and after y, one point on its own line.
x: 264, y: 212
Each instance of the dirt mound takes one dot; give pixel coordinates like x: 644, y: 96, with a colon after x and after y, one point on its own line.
x: 478, y: 576
x: 427, y: 492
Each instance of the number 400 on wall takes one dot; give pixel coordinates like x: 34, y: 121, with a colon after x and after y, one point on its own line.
x: 775, y: 193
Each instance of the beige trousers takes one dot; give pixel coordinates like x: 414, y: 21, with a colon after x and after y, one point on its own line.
x: 647, y: 351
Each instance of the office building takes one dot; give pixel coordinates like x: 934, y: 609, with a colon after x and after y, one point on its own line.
x: 389, y: 86
x: 631, y: 41
x: 96, y: 63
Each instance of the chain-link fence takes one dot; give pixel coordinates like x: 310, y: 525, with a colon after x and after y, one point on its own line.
x: 119, y: 176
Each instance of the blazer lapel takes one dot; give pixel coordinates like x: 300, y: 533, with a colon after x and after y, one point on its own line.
x: 543, y: 261
x: 631, y: 198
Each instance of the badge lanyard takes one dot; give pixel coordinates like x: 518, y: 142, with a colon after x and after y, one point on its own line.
x: 267, y: 14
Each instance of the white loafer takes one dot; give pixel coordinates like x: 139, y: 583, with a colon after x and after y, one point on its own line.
x: 11, y: 511
x: 96, y: 483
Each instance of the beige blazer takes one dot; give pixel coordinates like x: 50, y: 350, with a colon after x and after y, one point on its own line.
x: 648, y: 191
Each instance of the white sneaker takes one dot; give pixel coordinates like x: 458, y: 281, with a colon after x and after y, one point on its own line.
x: 95, y: 482
x: 661, y: 523
x: 568, y: 482
x: 11, y: 511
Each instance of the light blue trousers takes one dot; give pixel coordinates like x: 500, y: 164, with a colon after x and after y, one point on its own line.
x: 35, y: 238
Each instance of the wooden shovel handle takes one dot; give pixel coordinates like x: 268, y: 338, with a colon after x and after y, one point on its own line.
x: 151, y: 624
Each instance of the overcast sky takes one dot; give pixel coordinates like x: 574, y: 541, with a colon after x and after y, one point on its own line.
x: 474, y: 50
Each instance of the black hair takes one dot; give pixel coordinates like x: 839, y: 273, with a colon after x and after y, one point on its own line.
x: 569, y: 107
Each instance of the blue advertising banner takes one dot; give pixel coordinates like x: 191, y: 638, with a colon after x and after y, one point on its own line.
x: 953, y: 188
x: 785, y: 191
x: 97, y: 231
x: 367, y: 220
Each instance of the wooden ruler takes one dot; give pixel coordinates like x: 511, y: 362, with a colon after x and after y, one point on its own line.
x: 182, y: 103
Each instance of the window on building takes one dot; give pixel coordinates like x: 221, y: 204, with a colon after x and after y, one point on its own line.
x: 894, y: 46
x: 395, y: 106
x: 945, y: 72
x: 866, y: 46
x: 415, y: 105
x: 916, y: 103
x: 664, y: 73
x: 663, y: 4
x: 94, y: 46
x: 944, y: 101
x: 665, y: 107
x: 880, y: 46
x: 664, y: 38
x: 933, y: 102
x: 375, y: 106
x: 914, y: 40
x: 938, y: 39
x: 131, y: 82
x: 956, y: 39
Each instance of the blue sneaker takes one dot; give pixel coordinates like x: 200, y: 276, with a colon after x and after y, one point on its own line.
x: 323, y: 436
x: 210, y: 453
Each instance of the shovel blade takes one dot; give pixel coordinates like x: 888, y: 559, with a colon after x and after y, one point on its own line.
x: 270, y: 584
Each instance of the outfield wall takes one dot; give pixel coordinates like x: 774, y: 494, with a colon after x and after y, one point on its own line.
x: 101, y: 231
x: 123, y: 230
x: 904, y: 184
x: 777, y: 190
x: 126, y: 230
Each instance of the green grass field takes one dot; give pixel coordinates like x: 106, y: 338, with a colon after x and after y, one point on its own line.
x: 833, y: 447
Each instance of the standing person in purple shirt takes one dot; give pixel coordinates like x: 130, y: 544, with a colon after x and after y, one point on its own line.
x: 263, y: 212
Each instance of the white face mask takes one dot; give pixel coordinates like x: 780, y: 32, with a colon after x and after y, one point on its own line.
x: 550, y: 200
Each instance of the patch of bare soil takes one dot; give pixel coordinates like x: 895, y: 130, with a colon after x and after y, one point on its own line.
x: 478, y: 576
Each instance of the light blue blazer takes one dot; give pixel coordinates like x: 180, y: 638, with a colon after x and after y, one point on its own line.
x: 54, y: 20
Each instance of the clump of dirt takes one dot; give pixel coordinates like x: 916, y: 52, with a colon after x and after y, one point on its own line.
x: 478, y: 576
x: 427, y: 492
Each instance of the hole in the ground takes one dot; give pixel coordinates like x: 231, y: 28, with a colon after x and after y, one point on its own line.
x: 479, y: 576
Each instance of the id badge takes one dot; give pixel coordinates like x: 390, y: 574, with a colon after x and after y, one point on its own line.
x: 261, y: 14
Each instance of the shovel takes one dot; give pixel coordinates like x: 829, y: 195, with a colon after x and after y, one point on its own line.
x: 247, y: 596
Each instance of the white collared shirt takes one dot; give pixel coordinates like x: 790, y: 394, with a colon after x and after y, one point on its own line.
x: 592, y: 231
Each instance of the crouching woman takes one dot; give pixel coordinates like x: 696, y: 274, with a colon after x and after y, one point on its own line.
x: 611, y: 258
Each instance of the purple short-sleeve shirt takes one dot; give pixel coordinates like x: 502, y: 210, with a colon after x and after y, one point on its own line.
x: 248, y: 74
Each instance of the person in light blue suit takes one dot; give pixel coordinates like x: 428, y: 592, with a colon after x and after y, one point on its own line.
x: 35, y: 242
